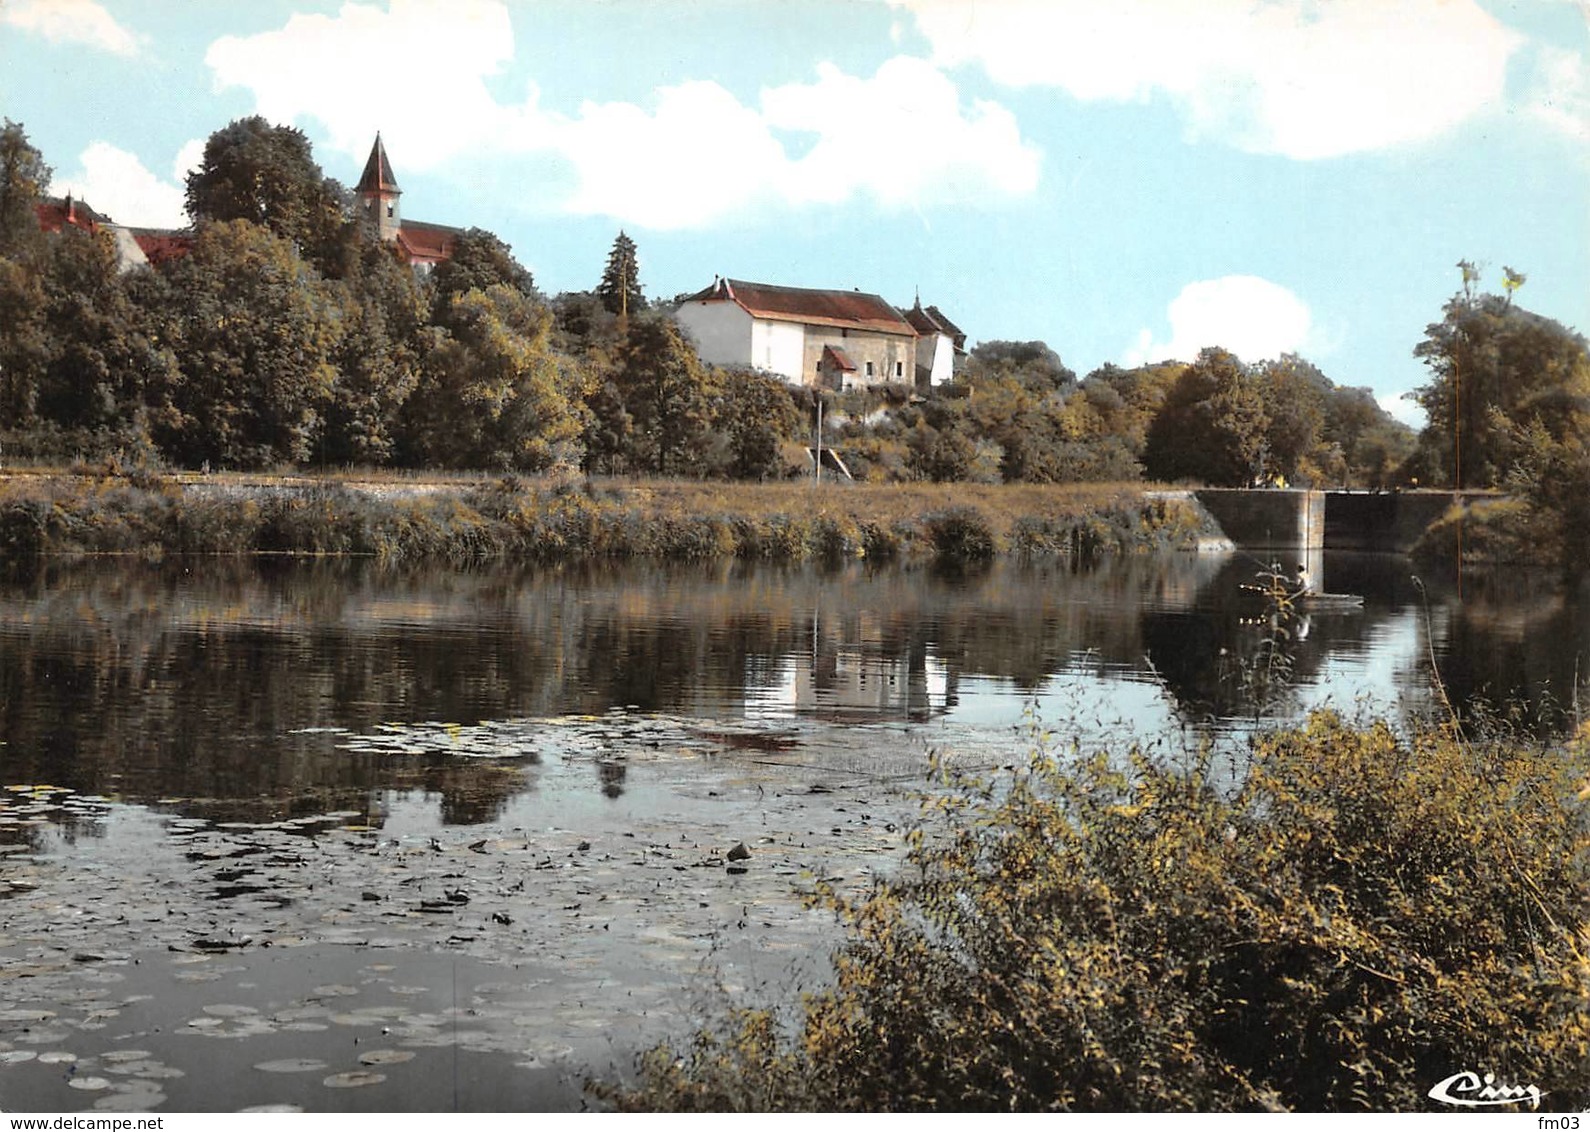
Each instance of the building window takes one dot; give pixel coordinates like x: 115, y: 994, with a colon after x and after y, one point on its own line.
x: 899, y: 369
x: 869, y: 369
x: 389, y: 212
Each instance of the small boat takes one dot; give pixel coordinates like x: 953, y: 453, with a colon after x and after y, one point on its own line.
x: 1315, y: 601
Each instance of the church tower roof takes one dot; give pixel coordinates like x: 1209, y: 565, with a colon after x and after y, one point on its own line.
x: 377, y: 176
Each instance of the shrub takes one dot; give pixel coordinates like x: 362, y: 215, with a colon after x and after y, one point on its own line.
x: 961, y: 534
x: 1501, y: 530
x: 24, y: 527
x: 1359, y: 918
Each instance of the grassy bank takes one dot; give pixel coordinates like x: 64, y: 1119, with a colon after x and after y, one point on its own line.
x: 1478, y: 532
x: 1367, y: 915
x: 569, y: 519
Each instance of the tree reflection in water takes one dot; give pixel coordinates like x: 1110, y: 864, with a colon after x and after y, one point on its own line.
x: 223, y: 687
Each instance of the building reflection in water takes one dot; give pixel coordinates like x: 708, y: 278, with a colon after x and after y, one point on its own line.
x: 860, y: 669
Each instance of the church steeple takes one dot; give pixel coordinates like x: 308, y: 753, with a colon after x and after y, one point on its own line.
x: 378, y: 193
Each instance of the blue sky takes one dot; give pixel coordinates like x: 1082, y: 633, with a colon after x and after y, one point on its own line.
x: 1127, y: 180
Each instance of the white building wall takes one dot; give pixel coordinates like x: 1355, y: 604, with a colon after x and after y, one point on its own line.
x: 780, y: 347
x: 722, y: 332
x: 943, y: 366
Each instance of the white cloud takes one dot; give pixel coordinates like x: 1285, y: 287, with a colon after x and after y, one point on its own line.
x: 416, y: 71
x: 1299, y: 78
x: 1560, y: 94
x: 70, y: 21
x: 900, y: 136
x: 1251, y: 317
x: 692, y: 154
x: 189, y: 158
x: 1404, y: 408
x: 697, y: 155
x: 114, y: 182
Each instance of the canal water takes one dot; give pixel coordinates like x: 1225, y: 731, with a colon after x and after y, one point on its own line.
x: 327, y: 835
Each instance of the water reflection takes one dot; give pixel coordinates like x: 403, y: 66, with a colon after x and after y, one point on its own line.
x: 220, y: 687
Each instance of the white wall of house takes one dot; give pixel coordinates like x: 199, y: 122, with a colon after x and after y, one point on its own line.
x: 721, y: 331
x: 937, y: 353
x: 880, y: 358
x: 726, y: 334
x: 780, y: 347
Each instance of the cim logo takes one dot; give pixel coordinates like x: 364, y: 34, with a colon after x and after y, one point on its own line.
x: 1469, y: 1090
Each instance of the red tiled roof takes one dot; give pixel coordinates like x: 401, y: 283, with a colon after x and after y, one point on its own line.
x: 921, y: 321
x: 427, y: 243
x: 931, y: 320
x: 55, y: 213
x: 378, y: 177
x: 809, y: 305
x: 838, y: 359
x: 160, y: 246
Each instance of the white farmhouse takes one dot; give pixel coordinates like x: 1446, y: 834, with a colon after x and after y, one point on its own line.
x: 829, y: 339
x: 939, y: 346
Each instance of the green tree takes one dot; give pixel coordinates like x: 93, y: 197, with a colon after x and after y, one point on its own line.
x: 667, y: 394
x: 1128, y: 400
x: 620, y: 289
x: 754, y: 415
x: 1491, y: 362
x: 1373, y: 442
x: 100, y: 355
x: 23, y: 179
x: 494, y: 395
x: 1212, y: 425
x: 1293, y: 392
x: 266, y: 174
x: 24, y: 342
x: 1552, y: 473
x: 379, y: 356
x: 480, y: 261
x: 1032, y: 363
x: 254, y: 330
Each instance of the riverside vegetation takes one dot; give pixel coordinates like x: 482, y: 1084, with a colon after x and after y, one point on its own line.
x: 1365, y: 914
x: 1349, y: 917
x: 280, y: 332
x: 560, y: 520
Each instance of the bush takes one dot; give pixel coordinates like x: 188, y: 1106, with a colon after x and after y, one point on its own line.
x: 961, y: 534
x: 1499, y: 530
x: 1361, y: 917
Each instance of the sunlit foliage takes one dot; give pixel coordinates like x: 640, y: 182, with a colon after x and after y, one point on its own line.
x: 1357, y: 917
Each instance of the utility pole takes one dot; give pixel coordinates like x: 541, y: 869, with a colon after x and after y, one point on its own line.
x: 819, y: 448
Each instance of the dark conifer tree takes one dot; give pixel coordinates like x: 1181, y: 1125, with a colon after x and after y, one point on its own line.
x: 620, y: 289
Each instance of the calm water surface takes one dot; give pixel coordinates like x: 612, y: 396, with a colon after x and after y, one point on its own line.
x: 541, y: 772
x: 221, y: 679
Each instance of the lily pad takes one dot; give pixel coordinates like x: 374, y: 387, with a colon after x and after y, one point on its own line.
x: 90, y: 1084
x: 354, y: 1079
x: 386, y: 1056
x: 334, y: 990
x: 292, y: 1065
